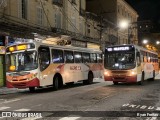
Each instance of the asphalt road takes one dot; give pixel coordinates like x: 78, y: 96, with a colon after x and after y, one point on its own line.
x: 98, y: 101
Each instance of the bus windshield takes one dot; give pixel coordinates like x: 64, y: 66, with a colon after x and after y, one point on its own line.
x: 23, y: 61
x: 120, y: 60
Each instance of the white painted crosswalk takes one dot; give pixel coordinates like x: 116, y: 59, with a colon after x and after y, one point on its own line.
x: 3, y: 108
x: 23, y: 109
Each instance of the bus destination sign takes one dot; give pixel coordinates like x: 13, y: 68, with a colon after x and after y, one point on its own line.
x: 121, y: 48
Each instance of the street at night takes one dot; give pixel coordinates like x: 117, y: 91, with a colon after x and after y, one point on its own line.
x: 103, y: 97
x: 79, y: 60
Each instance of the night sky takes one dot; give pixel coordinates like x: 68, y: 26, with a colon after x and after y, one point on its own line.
x: 147, y: 9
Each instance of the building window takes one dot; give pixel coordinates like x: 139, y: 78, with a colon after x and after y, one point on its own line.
x: 73, y: 2
x: 57, y: 2
x: 73, y: 25
x: 58, y: 20
x: 39, y: 16
x: 81, y: 27
x: 24, y: 9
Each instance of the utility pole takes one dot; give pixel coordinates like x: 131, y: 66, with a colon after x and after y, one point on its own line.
x: 101, y: 29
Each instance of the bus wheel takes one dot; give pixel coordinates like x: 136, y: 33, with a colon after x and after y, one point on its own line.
x: 90, y: 79
x: 153, y: 76
x: 32, y: 89
x: 142, y: 79
x: 115, y: 83
x: 56, y: 83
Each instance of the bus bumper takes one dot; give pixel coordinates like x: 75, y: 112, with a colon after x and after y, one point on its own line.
x: 127, y: 79
x: 23, y: 84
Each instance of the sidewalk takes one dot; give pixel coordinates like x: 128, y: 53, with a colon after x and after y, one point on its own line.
x: 5, y: 90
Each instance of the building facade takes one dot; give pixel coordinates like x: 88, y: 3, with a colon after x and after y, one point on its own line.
x: 22, y: 18
x: 115, y: 11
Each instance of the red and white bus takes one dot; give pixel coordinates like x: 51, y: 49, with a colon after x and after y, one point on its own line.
x: 129, y: 63
x: 38, y: 64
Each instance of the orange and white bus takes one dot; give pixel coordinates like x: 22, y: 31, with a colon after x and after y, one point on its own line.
x: 39, y: 64
x: 129, y: 63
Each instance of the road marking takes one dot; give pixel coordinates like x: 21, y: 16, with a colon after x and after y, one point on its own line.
x: 152, y: 118
x: 9, y: 101
x: 69, y: 118
x: 3, y: 108
x: 23, y: 110
x: 133, y: 106
x: 31, y: 118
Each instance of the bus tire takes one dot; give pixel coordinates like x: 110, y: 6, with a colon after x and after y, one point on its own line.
x: 152, y: 79
x: 32, y: 89
x: 89, y: 80
x: 142, y: 79
x: 115, y: 83
x: 57, y: 82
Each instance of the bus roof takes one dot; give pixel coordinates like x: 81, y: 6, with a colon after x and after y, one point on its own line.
x: 66, y: 47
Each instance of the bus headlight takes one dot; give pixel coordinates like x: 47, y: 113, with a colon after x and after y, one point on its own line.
x: 107, y: 73
x: 32, y: 76
x: 132, y: 73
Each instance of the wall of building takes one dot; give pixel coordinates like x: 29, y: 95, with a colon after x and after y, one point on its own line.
x: 126, y: 12
x: 115, y: 11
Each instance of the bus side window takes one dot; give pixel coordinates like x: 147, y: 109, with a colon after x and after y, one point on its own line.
x: 57, y: 56
x: 86, y: 58
x: 68, y: 55
x: 44, y: 57
x: 78, y: 57
x: 93, y: 57
x: 99, y: 58
x: 138, y: 59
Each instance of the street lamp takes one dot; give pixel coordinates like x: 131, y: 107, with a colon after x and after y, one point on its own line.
x: 125, y: 24
x: 157, y: 42
x: 145, y: 41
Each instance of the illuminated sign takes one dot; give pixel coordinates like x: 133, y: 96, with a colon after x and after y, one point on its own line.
x: 118, y: 49
x: 21, y: 47
x: 2, y: 50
